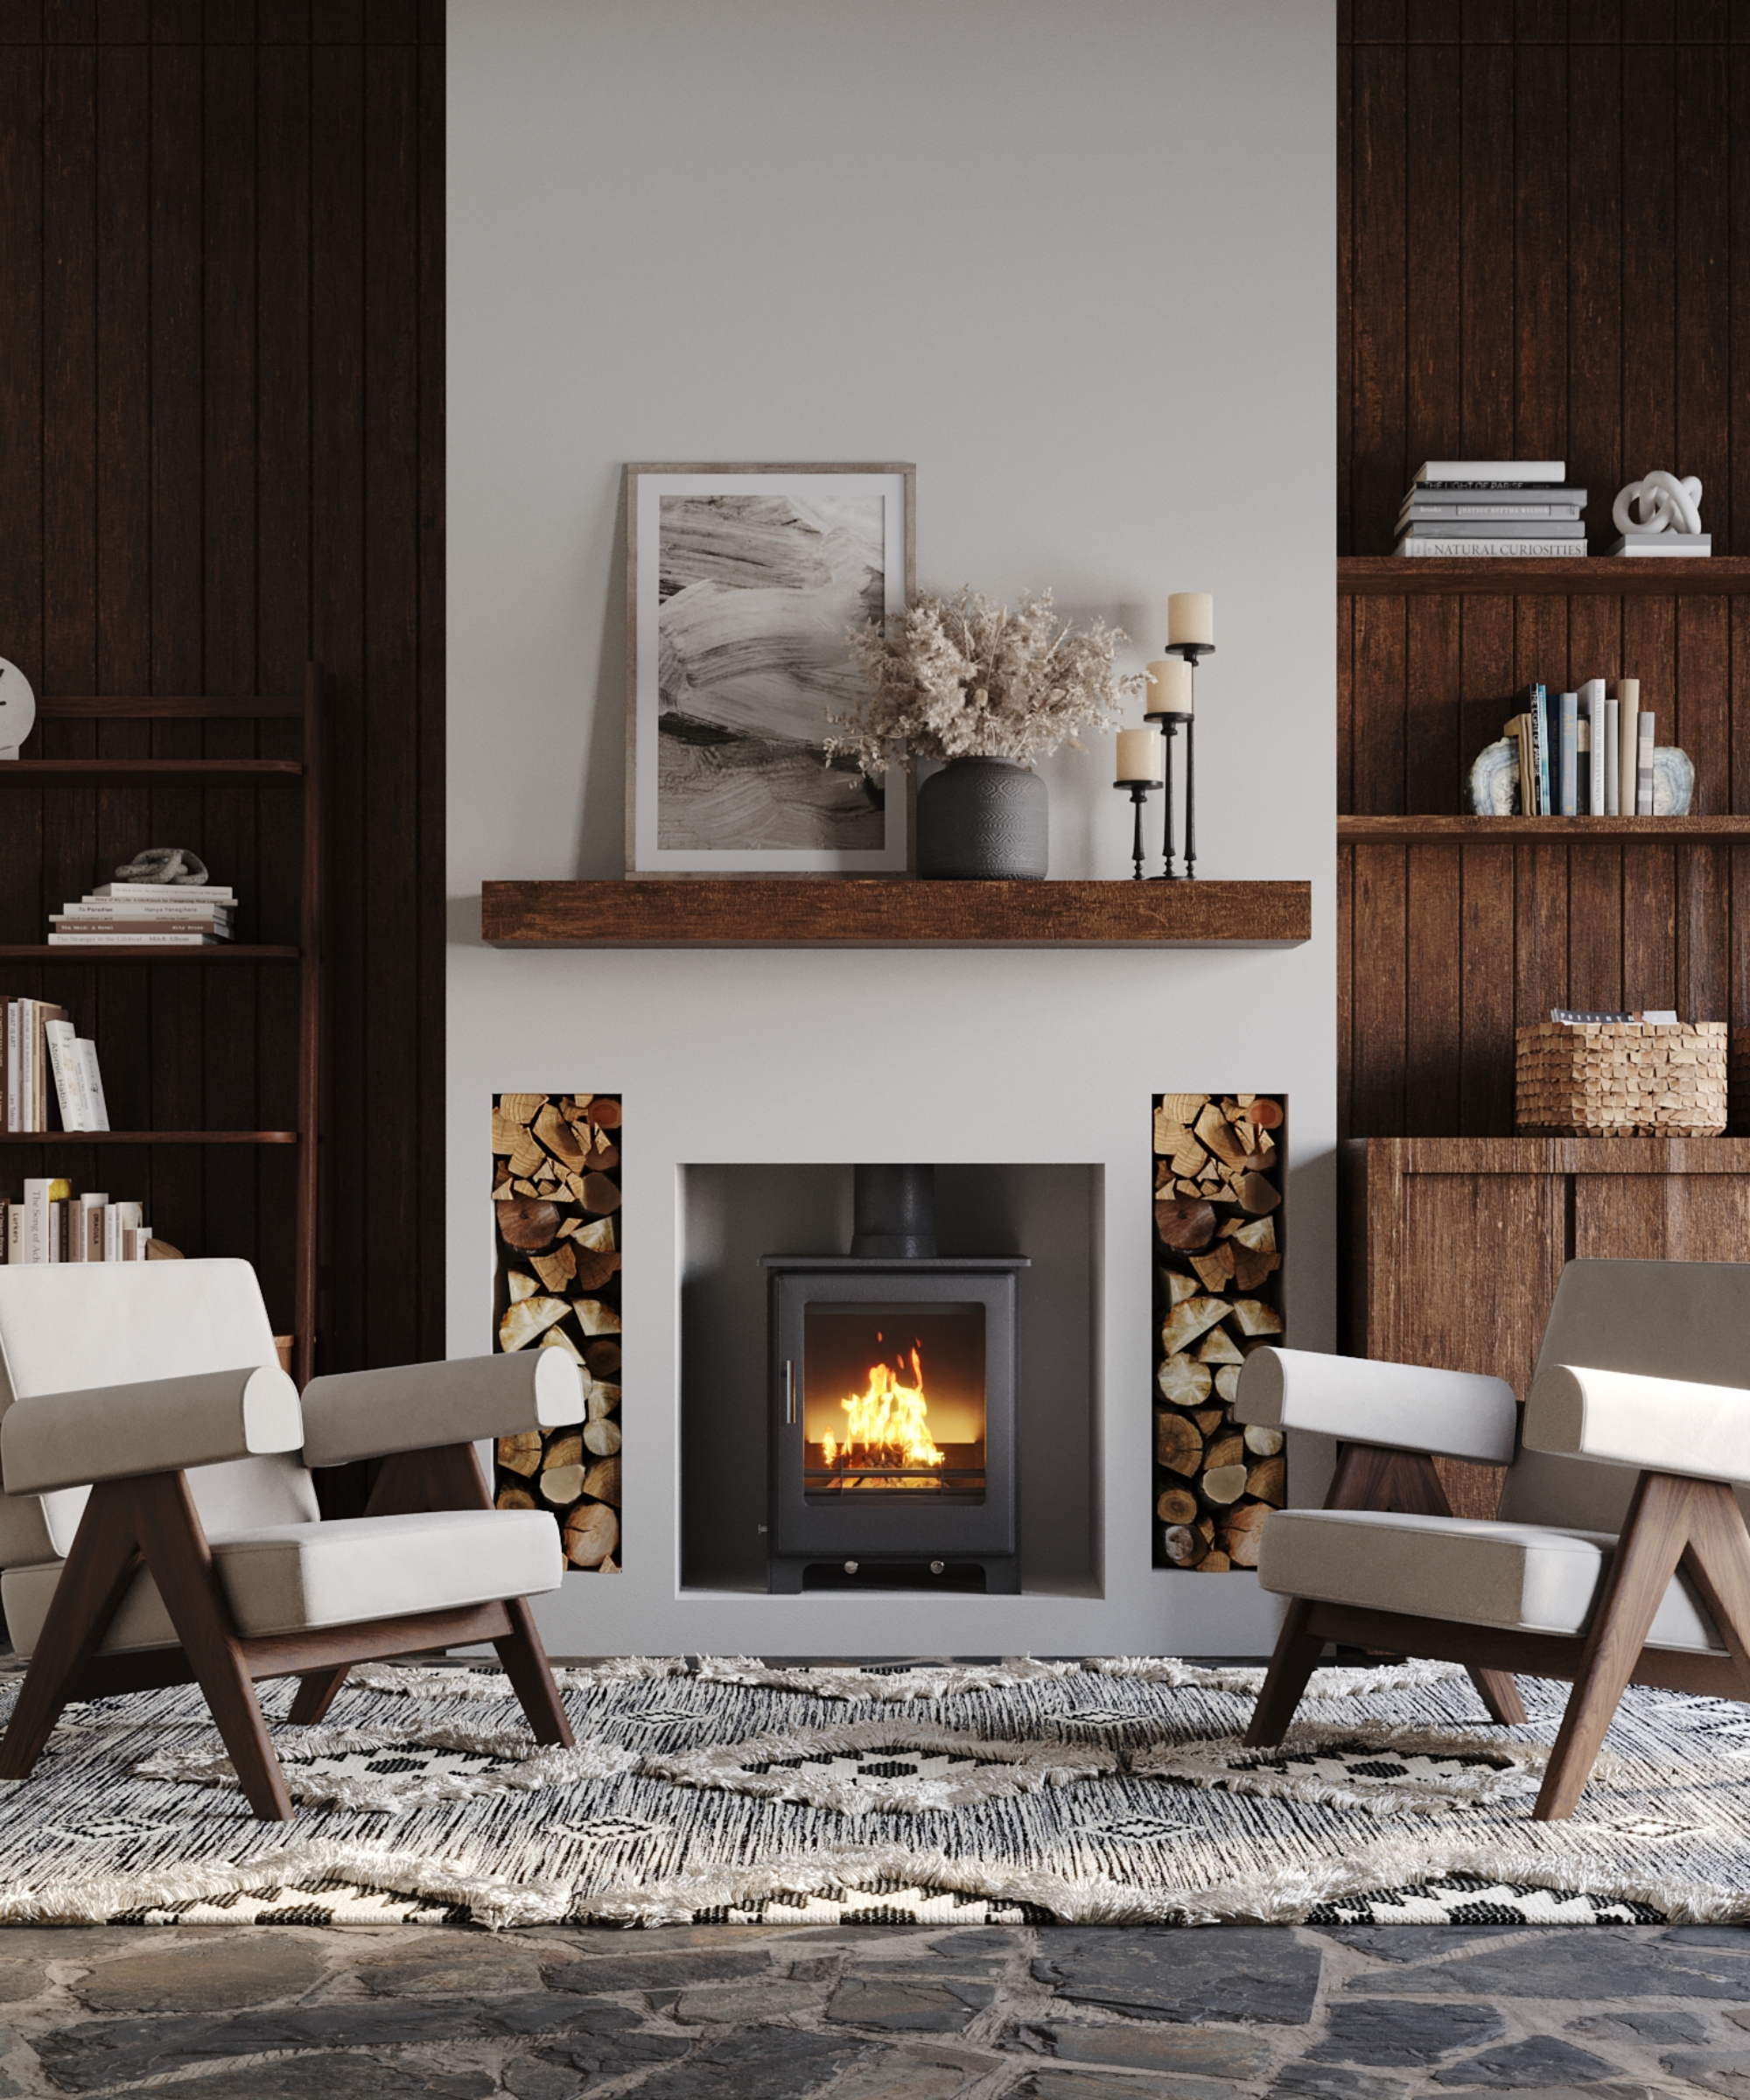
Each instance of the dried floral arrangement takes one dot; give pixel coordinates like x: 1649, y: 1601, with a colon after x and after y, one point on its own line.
x: 1217, y: 1221
x: 964, y: 678
x: 556, y: 1190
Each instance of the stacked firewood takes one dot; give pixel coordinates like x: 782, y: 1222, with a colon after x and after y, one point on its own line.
x: 1217, y: 1198
x: 555, y: 1189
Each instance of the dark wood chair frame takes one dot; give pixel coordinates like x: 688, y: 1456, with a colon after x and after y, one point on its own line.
x: 1673, y: 1522
x: 150, y: 1521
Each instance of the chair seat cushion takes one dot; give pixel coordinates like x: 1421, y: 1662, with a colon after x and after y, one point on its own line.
x: 286, y: 1577
x: 1528, y: 1577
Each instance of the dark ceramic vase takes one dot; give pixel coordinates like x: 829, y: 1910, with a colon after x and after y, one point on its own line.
x: 983, y: 820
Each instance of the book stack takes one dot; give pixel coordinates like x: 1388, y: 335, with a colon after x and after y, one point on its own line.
x: 1508, y: 510
x: 1586, y: 753
x: 39, y: 1045
x: 51, y: 1224
x: 145, y: 914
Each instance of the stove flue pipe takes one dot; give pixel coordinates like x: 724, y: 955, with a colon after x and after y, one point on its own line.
x: 894, y: 1214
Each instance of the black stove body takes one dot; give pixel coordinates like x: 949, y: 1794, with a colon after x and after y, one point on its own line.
x: 894, y: 1382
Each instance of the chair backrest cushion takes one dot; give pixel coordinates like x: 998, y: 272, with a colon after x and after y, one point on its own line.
x: 69, y: 1327
x: 1663, y: 1320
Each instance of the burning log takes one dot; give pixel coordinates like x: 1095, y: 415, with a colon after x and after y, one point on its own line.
x: 1218, y: 1192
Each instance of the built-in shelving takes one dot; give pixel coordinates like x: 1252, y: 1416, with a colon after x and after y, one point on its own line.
x: 61, y: 1139
x: 220, y: 951
x: 1551, y: 830
x: 1621, y: 576
x: 669, y: 913
x: 150, y: 773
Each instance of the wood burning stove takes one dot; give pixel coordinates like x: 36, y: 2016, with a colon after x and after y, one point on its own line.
x: 893, y: 1405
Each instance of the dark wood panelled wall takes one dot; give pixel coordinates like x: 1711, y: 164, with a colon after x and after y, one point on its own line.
x: 1545, y: 252
x: 220, y: 455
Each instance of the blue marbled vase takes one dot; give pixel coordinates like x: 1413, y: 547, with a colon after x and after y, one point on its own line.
x: 983, y: 820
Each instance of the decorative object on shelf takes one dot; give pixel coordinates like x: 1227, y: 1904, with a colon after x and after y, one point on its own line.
x: 17, y: 709
x: 742, y: 585
x: 1171, y: 684
x: 1661, y: 515
x: 1495, y: 781
x: 1218, y: 1248
x: 1502, y: 509
x: 1141, y: 758
x: 987, y: 691
x: 556, y: 1192
x: 179, y: 864
x: 1621, y: 1079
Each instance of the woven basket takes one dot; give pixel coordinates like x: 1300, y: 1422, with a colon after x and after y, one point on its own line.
x: 1622, y: 1079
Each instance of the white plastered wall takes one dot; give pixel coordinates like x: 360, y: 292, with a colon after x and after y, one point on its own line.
x: 1077, y: 262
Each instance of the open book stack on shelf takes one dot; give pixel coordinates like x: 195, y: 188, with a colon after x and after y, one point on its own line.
x: 1503, y: 509
x: 145, y: 914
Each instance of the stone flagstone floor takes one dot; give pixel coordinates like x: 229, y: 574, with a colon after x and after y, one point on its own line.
x: 868, y: 2013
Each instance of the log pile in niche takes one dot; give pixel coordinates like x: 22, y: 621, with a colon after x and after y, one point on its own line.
x: 1218, y: 1267
x: 556, y: 1197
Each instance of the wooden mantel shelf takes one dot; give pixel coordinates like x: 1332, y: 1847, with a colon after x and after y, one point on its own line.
x: 893, y: 913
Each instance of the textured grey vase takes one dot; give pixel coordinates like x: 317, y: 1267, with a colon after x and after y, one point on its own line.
x: 983, y: 820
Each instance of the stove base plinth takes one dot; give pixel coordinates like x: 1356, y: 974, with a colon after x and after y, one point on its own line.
x: 990, y: 1575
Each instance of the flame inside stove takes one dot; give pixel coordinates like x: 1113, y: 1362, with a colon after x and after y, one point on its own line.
x: 887, y: 1424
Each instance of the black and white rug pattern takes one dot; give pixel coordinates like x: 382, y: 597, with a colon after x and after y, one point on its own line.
x: 1111, y: 1790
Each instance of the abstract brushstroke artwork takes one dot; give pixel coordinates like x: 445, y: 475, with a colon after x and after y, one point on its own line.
x: 743, y: 586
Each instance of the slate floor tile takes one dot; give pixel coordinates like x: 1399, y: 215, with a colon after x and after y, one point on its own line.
x: 1534, y: 2065
x: 1381, y: 2031
x: 1647, y: 2025
x: 1718, y: 2071
x: 1095, y: 2085
x: 1239, y: 1972
x: 1597, y: 1964
x: 761, y: 2063
x: 1203, y: 2052
x: 1311, y: 2081
x: 342, y: 2077
x: 755, y: 1998
x: 665, y: 1968
x: 591, y: 2058
x: 924, y: 2005
x: 463, y: 1967
x: 203, y: 1976
x: 893, y: 2075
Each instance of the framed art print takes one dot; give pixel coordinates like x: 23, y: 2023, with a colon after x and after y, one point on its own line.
x: 742, y: 586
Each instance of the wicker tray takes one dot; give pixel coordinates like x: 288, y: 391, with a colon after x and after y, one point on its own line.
x: 1622, y: 1079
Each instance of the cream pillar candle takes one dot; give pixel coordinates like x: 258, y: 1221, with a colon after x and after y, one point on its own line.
x: 1169, y: 687
x: 1191, y: 617
x: 1139, y: 752
x: 1627, y: 731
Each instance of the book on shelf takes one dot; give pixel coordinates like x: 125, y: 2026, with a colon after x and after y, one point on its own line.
x: 1612, y: 747
x: 1492, y: 547
x: 118, y: 1218
x: 1592, y: 730
x: 28, y: 1062
x: 1656, y: 1017
x: 1476, y: 504
x: 79, y: 1087
x: 93, y: 1085
x: 160, y: 893
x: 89, y: 1237
x: 1686, y: 546
x: 1628, y: 743
x: 1479, y: 473
x: 148, y: 911
x: 92, y: 936
x: 1583, y: 764
x: 1567, y: 754
x: 51, y: 1224
x: 1644, y: 769
x: 1490, y: 529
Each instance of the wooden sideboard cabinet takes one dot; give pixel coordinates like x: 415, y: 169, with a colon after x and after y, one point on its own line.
x: 1452, y: 1246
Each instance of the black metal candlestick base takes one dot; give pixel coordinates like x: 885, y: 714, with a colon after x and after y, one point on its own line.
x: 1190, y: 652
x: 1140, y: 791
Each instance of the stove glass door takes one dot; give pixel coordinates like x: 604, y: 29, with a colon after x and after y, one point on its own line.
x: 893, y: 1401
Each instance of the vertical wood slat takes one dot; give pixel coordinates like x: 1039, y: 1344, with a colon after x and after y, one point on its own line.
x: 1379, y: 310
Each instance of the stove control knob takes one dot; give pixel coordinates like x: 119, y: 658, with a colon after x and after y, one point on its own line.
x: 850, y: 1567
x: 936, y: 1566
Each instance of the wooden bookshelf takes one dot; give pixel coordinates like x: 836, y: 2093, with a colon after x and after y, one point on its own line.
x: 61, y: 1140
x: 1552, y: 830
x: 1607, y: 576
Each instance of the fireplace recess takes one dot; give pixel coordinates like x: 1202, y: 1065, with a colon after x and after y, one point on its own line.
x: 893, y: 1409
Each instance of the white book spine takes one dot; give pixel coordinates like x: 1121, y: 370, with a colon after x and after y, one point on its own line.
x: 69, y: 1077
x: 117, y: 1218
x: 95, y: 1104
x: 1592, y: 700
x: 12, y: 1122
x: 1628, y: 755
x: 29, y: 1028
x: 1644, y: 769
x: 1613, y: 803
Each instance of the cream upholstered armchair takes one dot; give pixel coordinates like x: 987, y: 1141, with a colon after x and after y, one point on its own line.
x: 159, y: 1524
x: 1619, y: 1553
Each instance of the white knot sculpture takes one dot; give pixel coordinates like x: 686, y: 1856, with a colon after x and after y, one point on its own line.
x: 1666, y: 504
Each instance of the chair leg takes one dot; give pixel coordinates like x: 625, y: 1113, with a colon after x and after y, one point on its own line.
x: 315, y: 1694
x: 1718, y: 1561
x: 1497, y: 1691
x: 525, y: 1664
x: 176, y: 1551
x: 103, y: 1563
x: 1651, y: 1544
x: 1290, y: 1669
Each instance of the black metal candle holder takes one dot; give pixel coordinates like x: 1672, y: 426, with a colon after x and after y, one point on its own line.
x: 1140, y: 791
x: 1190, y: 652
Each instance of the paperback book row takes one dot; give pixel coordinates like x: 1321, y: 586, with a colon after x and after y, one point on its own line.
x: 145, y: 914
x: 1588, y: 753
x: 41, y: 1050
x: 1508, y: 510
x: 51, y: 1224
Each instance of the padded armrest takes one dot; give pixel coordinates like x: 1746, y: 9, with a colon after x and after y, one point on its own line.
x: 111, y: 1432
x: 1404, y: 1406
x: 415, y: 1406
x: 1623, y: 1418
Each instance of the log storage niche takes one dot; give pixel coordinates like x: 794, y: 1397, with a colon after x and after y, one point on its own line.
x: 1218, y: 1161
x: 555, y: 1204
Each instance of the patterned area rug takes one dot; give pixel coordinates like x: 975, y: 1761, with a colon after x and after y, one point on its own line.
x: 1111, y: 1791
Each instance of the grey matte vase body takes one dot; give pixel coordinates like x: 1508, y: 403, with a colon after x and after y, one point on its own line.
x: 983, y: 820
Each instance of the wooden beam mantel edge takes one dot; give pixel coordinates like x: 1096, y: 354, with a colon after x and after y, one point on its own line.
x: 666, y: 912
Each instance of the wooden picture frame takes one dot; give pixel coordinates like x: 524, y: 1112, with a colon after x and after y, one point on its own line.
x: 742, y: 585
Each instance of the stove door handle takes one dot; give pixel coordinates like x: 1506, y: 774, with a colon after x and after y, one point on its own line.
x: 789, y: 1391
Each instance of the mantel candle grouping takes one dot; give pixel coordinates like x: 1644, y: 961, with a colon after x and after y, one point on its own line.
x: 1172, y: 701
